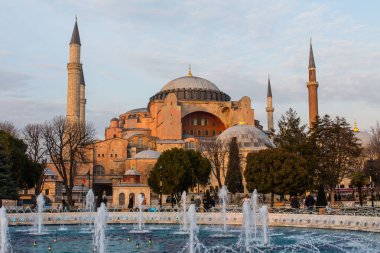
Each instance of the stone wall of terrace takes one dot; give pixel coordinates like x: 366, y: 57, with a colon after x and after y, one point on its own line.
x: 344, y: 222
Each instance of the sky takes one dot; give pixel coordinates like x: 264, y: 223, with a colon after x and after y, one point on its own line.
x: 131, y: 49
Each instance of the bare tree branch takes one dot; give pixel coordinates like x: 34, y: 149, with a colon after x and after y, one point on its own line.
x: 66, y: 146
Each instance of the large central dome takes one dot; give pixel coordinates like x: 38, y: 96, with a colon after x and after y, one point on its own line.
x: 192, y: 88
x: 190, y: 82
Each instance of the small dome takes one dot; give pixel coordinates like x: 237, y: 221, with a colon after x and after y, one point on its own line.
x: 190, y: 82
x: 248, y: 137
x: 147, y: 154
x: 114, y: 119
x: 132, y: 172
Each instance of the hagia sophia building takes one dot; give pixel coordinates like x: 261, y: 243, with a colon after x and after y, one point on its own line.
x: 185, y: 112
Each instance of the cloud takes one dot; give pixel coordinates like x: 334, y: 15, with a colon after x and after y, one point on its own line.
x: 14, y: 80
x: 131, y: 49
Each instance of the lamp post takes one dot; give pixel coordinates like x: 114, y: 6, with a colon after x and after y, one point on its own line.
x: 371, y: 187
x: 82, y: 196
x: 160, y: 187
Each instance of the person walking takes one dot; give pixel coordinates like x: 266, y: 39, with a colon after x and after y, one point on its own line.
x: 294, y: 202
x: 310, y: 202
x: 197, y: 203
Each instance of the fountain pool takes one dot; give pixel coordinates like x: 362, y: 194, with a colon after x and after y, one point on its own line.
x: 164, y: 239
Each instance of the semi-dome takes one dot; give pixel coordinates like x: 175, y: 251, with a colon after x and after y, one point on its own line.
x: 147, y: 154
x: 248, y: 137
x: 190, y: 82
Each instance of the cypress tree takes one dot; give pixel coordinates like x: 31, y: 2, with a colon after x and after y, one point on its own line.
x: 321, y: 198
x: 234, y: 177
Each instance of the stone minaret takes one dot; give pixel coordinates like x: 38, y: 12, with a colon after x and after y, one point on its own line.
x: 74, y: 69
x: 82, y: 107
x: 270, y: 108
x: 312, y: 87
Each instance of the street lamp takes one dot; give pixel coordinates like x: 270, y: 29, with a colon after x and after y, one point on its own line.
x: 160, y: 187
x: 82, y: 199
x: 371, y: 187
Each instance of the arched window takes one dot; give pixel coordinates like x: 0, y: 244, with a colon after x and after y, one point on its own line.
x: 99, y: 170
x: 121, y: 199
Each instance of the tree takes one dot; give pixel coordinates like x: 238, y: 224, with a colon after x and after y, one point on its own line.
x: 201, y: 166
x: 24, y: 170
x: 10, y: 128
x: 32, y: 135
x: 372, y: 169
x: 374, y: 145
x: 174, y: 169
x: 292, y: 136
x: 66, y: 148
x: 234, y: 177
x: 336, y: 149
x: 216, y: 152
x: 359, y: 179
x: 321, y: 198
x: 276, y: 171
x: 8, y: 187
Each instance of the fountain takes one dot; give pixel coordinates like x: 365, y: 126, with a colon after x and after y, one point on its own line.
x: 223, y: 195
x: 4, y: 240
x: 282, y: 239
x: 140, y: 200
x: 265, y: 224
x: 90, y: 200
x: 40, y: 215
x: 254, y: 212
x: 183, y: 201
x: 193, y: 229
x: 246, y: 224
x: 99, y: 239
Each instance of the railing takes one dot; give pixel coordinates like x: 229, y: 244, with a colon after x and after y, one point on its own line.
x: 341, y: 210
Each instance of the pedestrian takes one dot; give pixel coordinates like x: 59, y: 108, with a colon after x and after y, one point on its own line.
x: 130, y: 202
x: 197, y: 203
x: 309, y: 202
x: 294, y: 202
x: 207, y: 201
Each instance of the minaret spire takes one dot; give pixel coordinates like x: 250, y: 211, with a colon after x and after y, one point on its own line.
x: 269, y: 89
x: 311, y: 56
x: 312, y: 86
x: 269, y: 108
x: 75, y: 38
x: 74, y: 69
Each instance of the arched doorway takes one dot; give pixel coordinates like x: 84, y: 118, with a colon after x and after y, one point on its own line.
x: 202, y: 124
x: 131, y: 201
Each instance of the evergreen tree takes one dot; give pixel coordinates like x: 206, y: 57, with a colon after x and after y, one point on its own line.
x: 276, y: 171
x: 234, y: 177
x: 8, y: 187
x: 292, y: 136
x: 336, y: 149
x: 23, y: 170
x: 321, y: 198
